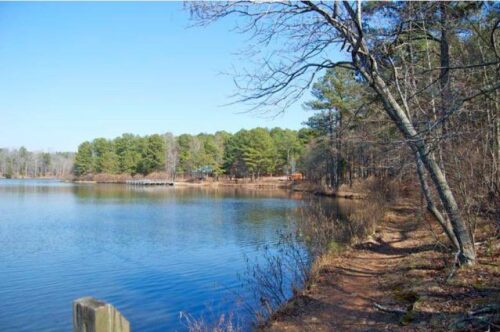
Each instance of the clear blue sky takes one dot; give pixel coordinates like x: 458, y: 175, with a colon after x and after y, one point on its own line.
x: 71, y: 72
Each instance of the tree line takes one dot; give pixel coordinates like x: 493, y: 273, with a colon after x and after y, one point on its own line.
x: 246, y: 153
x: 334, y: 147
x: 15, y: 163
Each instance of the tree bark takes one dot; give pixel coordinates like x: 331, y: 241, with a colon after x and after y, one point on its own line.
x: 331, y: 146
x: 444, y: 78
x: 467, y: 254
x: 338, y: 181
x: 367, y: 66
x: 431, y: 207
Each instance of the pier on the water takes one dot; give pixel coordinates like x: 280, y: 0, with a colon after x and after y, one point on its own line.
x: 148, y: 182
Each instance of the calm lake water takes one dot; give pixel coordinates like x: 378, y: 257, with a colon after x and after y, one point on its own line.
x: 151, y: 252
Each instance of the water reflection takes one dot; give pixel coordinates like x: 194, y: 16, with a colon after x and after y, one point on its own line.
x: 152, y: 252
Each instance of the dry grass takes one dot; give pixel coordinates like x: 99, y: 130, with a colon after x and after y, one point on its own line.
x: 222, y: 323
x: 407, y: 264
x: 444, y: 303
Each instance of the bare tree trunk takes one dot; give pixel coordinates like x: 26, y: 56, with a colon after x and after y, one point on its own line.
x: 431, y: 207
x: 444, y: 77
x: 495, y: 121
x: 331, y: 145
x: 339, y: 151
x: 467, y: 253
x: 497, y: 139
x: 444, y: 81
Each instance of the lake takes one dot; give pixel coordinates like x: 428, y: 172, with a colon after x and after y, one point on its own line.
x: 151, y: 252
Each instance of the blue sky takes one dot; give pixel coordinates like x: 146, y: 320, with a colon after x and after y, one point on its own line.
x: 71, y: 72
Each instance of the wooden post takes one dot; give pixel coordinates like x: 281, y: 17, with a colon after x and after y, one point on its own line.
x: 91, y: 315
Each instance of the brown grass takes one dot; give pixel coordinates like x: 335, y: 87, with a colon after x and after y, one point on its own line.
x: 401, y: 266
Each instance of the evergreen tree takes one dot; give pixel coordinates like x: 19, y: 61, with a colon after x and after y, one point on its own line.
x: 153, y: 157
x: 83, y: 159
x: 106, y: 160
x: 127, y: 149
x: 259, y: 154
x: 288, y: 149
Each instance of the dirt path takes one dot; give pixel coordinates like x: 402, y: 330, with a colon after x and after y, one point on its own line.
x: 343, y: 296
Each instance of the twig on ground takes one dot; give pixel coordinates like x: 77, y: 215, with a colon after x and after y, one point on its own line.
x: 390, y: 310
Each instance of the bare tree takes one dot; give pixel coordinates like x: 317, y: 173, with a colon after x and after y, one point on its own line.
x: 294, y: 41
x: 171, y: 155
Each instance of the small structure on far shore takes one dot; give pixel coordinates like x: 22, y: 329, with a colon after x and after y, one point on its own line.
x: 296, y: 177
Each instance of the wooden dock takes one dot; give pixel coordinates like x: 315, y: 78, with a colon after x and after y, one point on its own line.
x: 147, y: 182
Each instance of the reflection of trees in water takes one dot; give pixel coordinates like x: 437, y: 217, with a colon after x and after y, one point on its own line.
x: 334, y: 208
x: 203, y: 216
x: 125, y: 192
x: 27, y: 186
x: 155, y: 233
x: 325, y: 226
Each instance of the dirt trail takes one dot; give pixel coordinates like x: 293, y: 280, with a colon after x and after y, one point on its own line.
x: 343, y: 296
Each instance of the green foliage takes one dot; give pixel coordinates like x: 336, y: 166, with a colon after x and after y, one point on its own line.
x: 339, y: 97
x: 306, y: 135
x: 153, y: 157
x: 186, y: 159
x: 259, y: 152
x: 252, y: 152
x: 126, y: 154
x: 288, y: 149
x: 233, y: 154
x: 128, y: 149
x: 338, y: 89
x: 84, y: 163
x: 106, y: 160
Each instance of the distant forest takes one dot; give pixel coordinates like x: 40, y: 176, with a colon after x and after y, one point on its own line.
x: 15, y: 163
x: 251, y: 153
x: 342, y: 140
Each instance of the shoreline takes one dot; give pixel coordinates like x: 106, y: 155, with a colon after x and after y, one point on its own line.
x: 266, y: 183
x: 276, y: 183
x: 246, y: 185
x: 395, y: 279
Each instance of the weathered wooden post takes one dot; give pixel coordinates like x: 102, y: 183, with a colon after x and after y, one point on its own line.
x: 91, y: 315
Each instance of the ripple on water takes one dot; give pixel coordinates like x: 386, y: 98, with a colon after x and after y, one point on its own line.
x: 152, y: 254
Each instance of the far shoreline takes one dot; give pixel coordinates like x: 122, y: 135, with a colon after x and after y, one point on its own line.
x: 263, y: 183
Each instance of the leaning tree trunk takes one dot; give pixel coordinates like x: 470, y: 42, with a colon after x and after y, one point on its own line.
x: 467, y: 254
x: 431, y: 207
